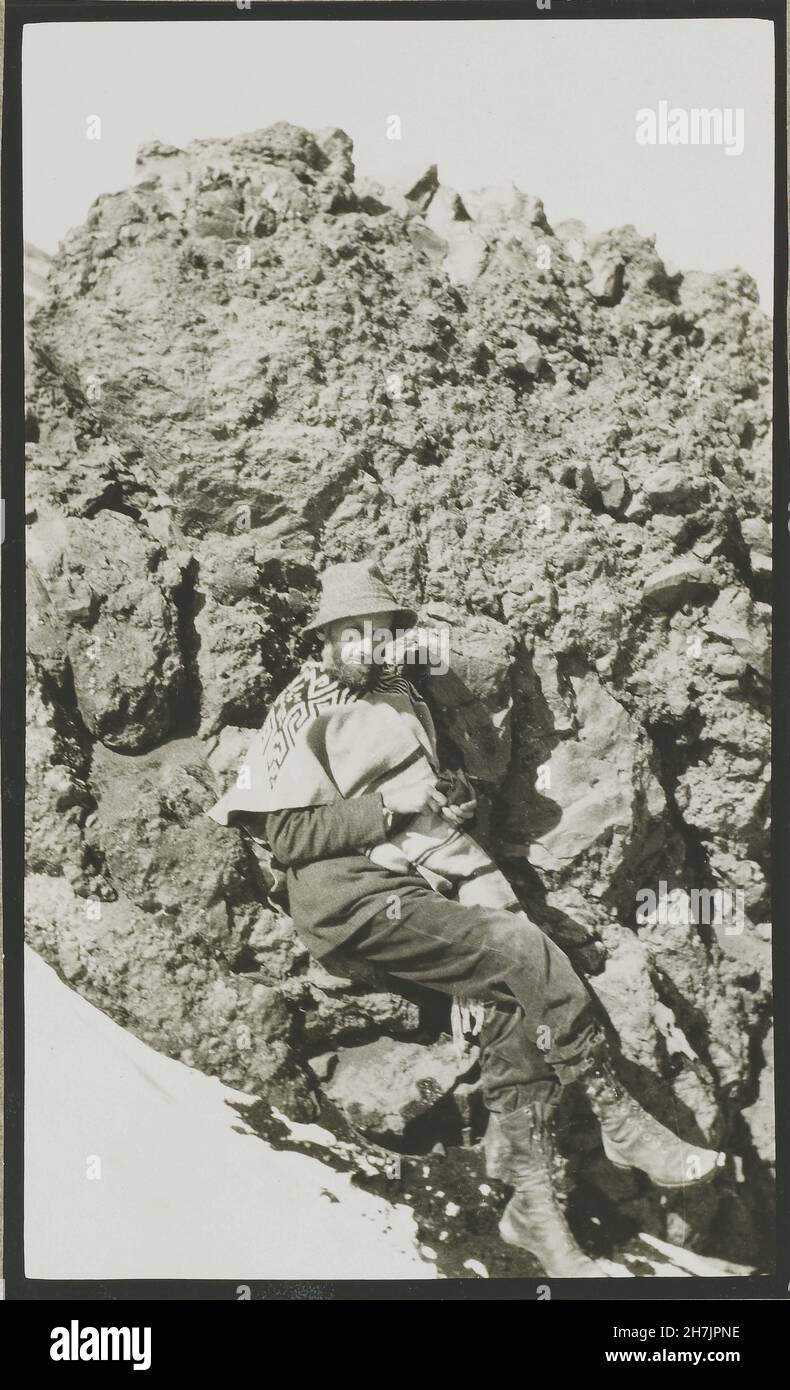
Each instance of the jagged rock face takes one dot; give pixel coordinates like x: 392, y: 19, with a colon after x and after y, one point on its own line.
x: 251, y: 364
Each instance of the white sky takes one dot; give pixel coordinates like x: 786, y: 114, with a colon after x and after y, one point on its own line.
x: 550, y: 105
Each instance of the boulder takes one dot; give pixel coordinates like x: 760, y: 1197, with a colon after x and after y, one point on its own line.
x: 606, y: 282
x: 505, y: 204
x: 385, y: 1086
x: 120, y: 625
x: 735, y: 618
x: 594, y: 784
x: 671, y: 488
x: 681, y: 581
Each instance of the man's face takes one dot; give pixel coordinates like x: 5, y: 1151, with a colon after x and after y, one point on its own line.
x: 350, y: 645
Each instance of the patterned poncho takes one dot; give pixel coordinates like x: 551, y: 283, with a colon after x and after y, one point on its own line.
x: 322, y: 742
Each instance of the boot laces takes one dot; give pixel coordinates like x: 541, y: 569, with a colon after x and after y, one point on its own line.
x: 601, y: 1081
x: 542, y: 1164
x: 624, y: 1116
x: 539, y: 1176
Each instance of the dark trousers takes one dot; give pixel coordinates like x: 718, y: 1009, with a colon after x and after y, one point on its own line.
x: 540, y: 1029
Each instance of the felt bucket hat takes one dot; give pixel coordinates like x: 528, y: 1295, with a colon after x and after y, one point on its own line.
x: 353, y: 588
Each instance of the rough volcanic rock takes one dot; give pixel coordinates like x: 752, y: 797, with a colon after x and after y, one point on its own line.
x: 114, y: 592
x: 251, y: 363
x: 676, y: 583
x: 385, y: 1085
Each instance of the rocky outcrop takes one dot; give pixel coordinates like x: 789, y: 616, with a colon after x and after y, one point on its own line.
x: 251, y: 363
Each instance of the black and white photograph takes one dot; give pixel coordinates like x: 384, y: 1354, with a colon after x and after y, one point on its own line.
x: 396, y: 510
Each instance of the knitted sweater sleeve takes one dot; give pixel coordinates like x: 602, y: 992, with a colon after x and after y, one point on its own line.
x: 311, y: 833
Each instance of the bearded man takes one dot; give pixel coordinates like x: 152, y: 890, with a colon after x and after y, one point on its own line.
x: 341, y: 778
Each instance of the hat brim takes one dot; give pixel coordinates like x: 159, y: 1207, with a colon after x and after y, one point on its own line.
x: 404, y: 617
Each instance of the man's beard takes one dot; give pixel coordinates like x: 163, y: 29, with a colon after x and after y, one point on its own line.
x: 353, y: 675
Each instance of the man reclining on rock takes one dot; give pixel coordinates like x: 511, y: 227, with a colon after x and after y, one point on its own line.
x: 341, y: 775
x: 322, y: 742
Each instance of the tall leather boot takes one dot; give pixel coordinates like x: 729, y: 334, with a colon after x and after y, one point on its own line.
x: 520, y: 1150
x: 633, y: 1139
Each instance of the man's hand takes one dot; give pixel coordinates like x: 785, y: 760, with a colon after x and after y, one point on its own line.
x: 460, y: 813
x: 461, y: 800
x: 413, y: 798
x: 427, y: 796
